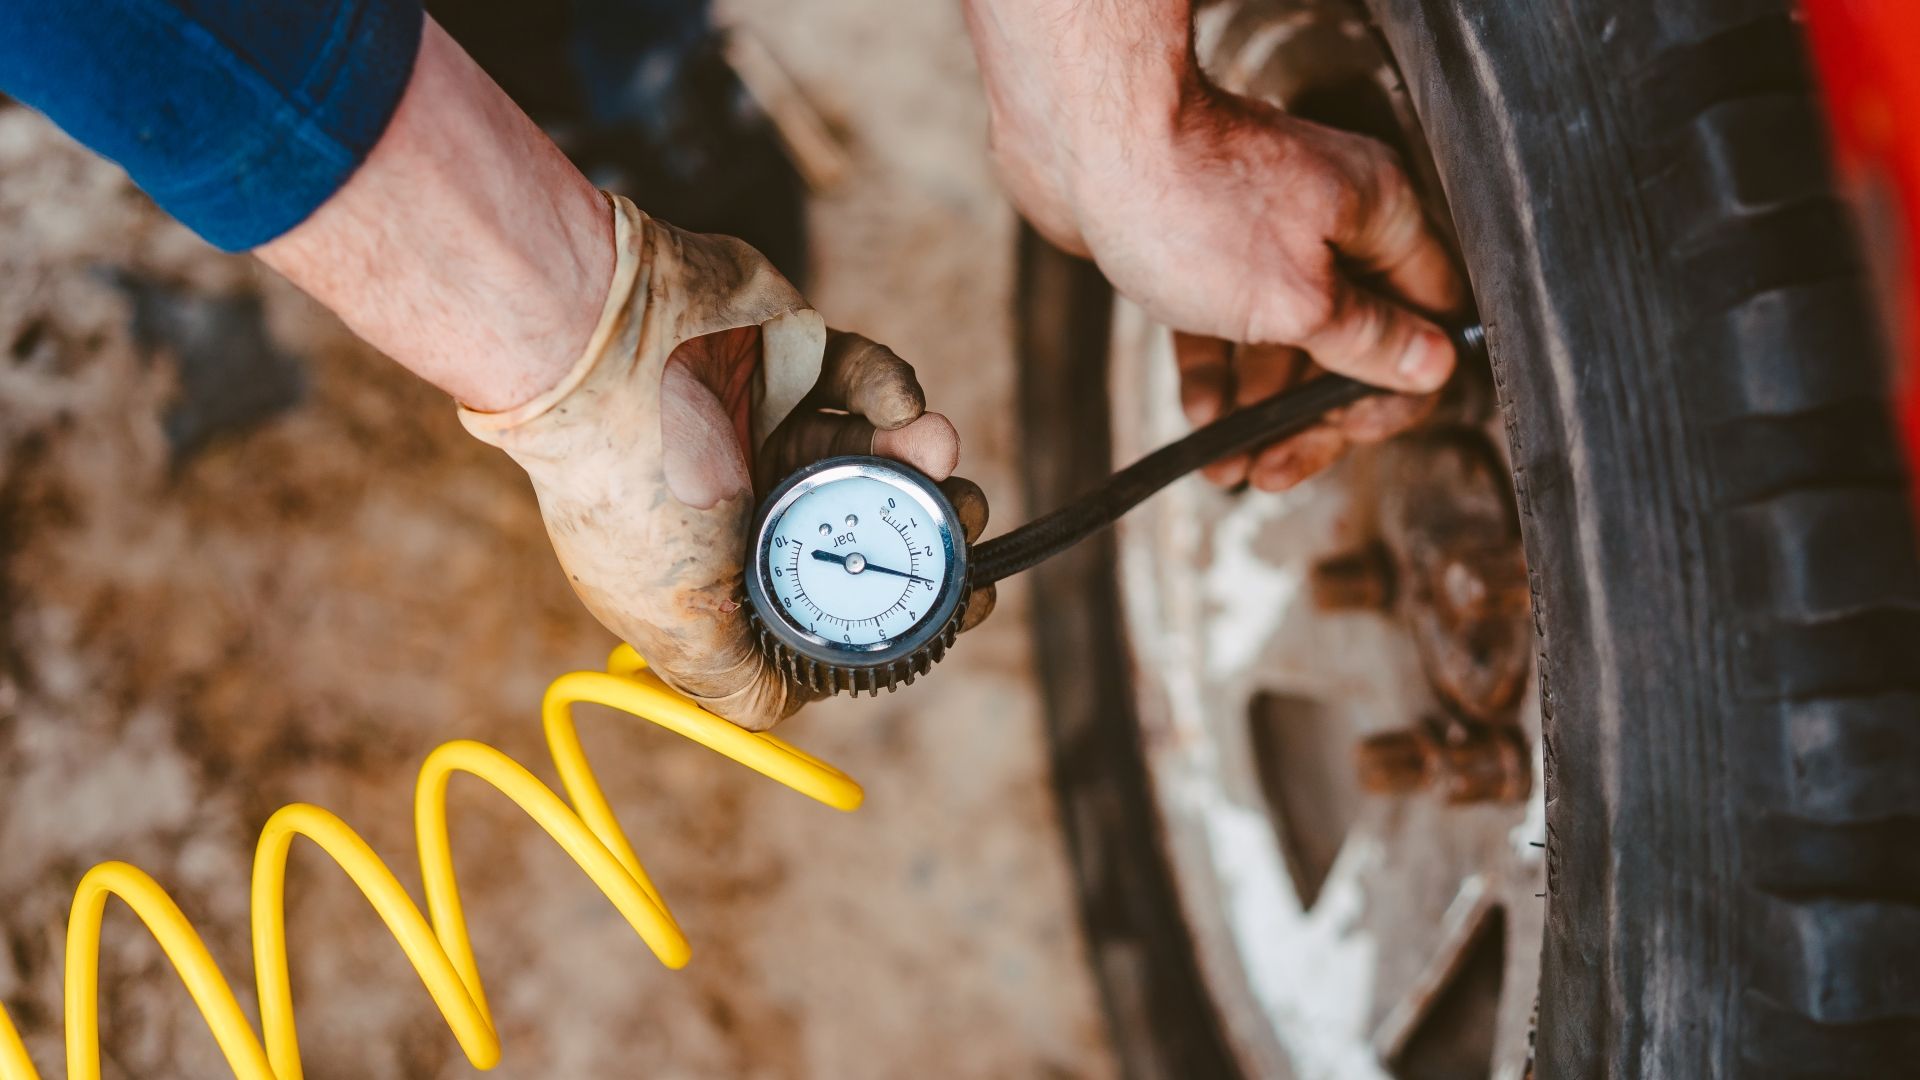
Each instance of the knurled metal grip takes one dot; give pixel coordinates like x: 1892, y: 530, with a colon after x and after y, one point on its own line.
x: 828, y: 679
x: 858, y: 576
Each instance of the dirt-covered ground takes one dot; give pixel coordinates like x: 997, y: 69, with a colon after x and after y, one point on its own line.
x: 228, y: 586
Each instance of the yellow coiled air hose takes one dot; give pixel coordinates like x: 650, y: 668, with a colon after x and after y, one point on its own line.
x: 436, y: 942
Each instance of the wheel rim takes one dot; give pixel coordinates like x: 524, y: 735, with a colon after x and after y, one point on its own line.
x: 1341, y: 934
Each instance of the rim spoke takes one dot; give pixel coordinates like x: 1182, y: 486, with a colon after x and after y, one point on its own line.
x: 1526, y: 913
x: 1302, y: 753
x: 1412, y: 913
x: 1444, y: 1023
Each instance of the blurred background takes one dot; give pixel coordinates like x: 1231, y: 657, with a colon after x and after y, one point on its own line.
x: 224, y: 594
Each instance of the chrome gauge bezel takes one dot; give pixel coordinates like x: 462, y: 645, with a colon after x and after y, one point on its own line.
x: 910, y: 483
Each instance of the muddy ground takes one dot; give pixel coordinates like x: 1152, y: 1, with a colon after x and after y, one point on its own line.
x: 230, y: 588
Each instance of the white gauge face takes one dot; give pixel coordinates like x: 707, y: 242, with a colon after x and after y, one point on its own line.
x: 854, y: 565
x: 859, y: 560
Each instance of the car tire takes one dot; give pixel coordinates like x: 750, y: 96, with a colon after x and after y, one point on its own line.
x: 1724, y: 569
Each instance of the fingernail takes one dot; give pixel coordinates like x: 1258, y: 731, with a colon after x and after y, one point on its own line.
x: 1427, y: 361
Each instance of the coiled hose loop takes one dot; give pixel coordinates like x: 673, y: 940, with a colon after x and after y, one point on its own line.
x: 435, y: 942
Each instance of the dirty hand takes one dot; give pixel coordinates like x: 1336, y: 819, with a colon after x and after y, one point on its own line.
x: 1220, y: 216
x: 1304, y: 244
x: 643, y: 455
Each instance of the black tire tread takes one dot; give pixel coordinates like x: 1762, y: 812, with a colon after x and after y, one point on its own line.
x: 1725, y: 569
x: 1818, y: 555
x: 1809, y: 319
x: 1761, y: 457
x: 1785, y: 1044
x: 1833, y: 761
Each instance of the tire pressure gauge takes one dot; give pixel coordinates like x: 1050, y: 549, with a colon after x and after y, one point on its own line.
x: 859, y: 571
x: 857, y: 576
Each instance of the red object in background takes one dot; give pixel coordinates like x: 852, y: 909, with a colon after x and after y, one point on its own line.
x: 1868, y: 52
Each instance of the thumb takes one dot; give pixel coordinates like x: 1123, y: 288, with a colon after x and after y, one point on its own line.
x: 1372, y: 339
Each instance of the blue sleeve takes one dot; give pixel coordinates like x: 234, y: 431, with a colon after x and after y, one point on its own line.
x: 239, y: 117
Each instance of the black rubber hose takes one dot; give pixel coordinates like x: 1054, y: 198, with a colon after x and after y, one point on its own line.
x: 1272, y: 419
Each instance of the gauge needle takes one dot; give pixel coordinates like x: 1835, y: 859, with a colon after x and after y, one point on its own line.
x: 864, y: 565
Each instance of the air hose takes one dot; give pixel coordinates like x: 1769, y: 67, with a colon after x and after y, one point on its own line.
x: 1275, y: 418
x: 436, y: 941
x: 1267, y: 421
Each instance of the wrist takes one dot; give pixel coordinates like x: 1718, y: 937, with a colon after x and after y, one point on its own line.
x: 1128, y: 150
x: 466, y: 247
x: 1081, y: 96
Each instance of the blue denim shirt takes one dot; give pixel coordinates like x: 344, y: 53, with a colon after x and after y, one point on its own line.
x: 239, y: 117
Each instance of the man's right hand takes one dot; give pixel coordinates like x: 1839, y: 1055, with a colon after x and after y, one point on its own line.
x: 1277, y: 248
x: 1222, y: 217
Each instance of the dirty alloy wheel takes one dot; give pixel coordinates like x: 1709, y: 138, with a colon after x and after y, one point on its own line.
x: 1303, y: 758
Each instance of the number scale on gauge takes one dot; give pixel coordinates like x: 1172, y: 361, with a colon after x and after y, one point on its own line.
x: 851, y: 564
x: 859, y: 563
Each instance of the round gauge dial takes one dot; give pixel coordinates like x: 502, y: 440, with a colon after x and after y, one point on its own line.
x: 857, y: 562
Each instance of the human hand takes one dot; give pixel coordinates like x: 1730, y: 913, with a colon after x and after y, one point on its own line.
x: 1222, y: 217
x: 1306, y: 245
x: 643, y: 454
x: 1217, y: 377
x: 1239, y: 222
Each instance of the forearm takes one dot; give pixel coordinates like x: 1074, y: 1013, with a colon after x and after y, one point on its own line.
x: 466, y: 246
x: 1081, y: 92
x: 358, y: 150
